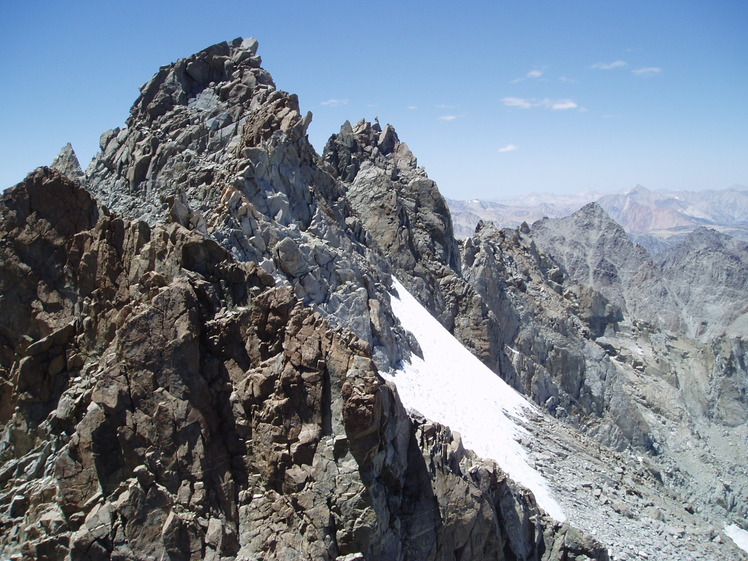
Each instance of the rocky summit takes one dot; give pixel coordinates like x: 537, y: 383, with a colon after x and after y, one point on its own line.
x: 199, y: 354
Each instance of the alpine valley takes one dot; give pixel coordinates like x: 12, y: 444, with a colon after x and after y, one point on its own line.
x: 216, y: 343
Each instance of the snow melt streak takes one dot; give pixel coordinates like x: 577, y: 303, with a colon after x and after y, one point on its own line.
x: 454, y: 388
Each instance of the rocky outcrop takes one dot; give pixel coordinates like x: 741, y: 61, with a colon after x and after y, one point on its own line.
x: 408, y: 221
x: 67, y: 164
x: 690, y: 289
x: 189, y: 119
x: 551, y: 326
x: 398, y: 204
x: 190, y: 370
x: 197, y: 377
x: 213, y: 145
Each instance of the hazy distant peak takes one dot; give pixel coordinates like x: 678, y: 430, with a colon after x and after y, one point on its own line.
x: 594, y: 215
x: 709, y: 238
x: 592, y: 209
x: 704, y: 233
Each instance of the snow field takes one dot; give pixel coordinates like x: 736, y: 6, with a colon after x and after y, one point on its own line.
x: 454, y: 388
x: 738, y: 535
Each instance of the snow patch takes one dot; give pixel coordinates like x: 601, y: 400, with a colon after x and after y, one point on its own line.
x: 453, y: 387
x: 738, y: 535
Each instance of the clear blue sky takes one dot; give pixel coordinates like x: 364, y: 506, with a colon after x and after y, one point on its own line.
x: 496, y: 99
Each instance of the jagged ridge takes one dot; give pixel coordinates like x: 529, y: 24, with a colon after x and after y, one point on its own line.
x: 270, y: 267
x: 179, y: 388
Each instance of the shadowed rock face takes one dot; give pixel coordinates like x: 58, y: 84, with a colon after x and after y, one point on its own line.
x: 708, y: 276
x: 211, y: 144
x: 405, y: 211
x: 407, y: 219
x: 165, y: 400
x: 695, y: 288
x: 194, y: 373
x: 192, y: 370
x: 551, y: 324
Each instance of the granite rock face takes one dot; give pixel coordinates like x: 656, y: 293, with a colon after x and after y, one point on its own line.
x: 67, y: 164
x: 192, y: 334
x: 691, y: 288
x: 595, y: 251
x: 408, y: 220
x: 550, y: 328
x: 708, y: 276
x: 619, y: 379
x: 212, y: 145
x: 635, y: 353
x: 166, y: 401
x: 190, y: 348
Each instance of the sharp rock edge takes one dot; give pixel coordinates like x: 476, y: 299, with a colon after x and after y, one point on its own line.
x: 193, y: 332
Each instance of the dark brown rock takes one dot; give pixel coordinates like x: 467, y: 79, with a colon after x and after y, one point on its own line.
x: 200, y: 412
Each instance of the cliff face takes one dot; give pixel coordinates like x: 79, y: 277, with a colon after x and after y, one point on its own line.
x: 190, y: 347
x: 192, y: 334
x: 408, y: 221
x: 708, y: 276
x: 598, y: 366
x: 595, y: 251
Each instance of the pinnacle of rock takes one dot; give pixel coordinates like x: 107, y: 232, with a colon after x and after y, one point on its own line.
x: 66, y: 162
x: 192, y: 119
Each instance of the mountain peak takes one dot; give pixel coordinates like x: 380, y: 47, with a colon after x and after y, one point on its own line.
x: 709, y: 236
x: 183, y: 80
x: 242, y: 295
x: 369, y: 142
x: 67, y: 163
x: 592, y: 209
x: 594, y: 216
x: 192, y: 119
x: 595, y: 250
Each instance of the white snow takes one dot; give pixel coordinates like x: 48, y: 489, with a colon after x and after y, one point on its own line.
x: 453, y: 387
x: 738, y: 535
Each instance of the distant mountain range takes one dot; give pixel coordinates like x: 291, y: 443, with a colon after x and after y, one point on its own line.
x: 653, y: 218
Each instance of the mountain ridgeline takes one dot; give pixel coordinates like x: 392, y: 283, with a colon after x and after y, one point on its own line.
x: 192, y: 332
x: 656, y: 220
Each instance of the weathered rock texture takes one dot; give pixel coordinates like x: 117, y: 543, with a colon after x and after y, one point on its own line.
x: 67, y: 164
x: 192, y: 373
x: 618, y: 378
x: 708, y: 277
x: 408, y: 221
x: 213, y: 145
x: 191, y: 335
x: 595, y: 251
x: 550, y: 326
